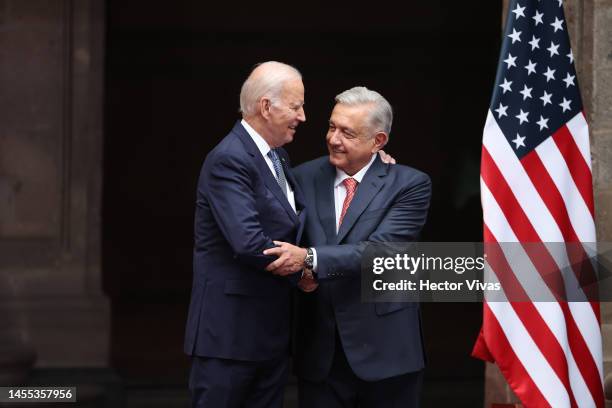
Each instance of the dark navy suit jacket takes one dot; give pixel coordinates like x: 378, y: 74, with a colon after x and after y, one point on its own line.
x: 238, y: 310
x: 380, y: 340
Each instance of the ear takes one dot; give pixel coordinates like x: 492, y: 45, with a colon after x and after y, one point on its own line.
x: 380, y: 140
x: 265, y: 105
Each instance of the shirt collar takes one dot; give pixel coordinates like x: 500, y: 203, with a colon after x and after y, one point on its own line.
x: 341, y: 175
x: 260, y: 142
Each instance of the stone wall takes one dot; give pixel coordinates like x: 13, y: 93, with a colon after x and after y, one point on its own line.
x: 51, y: 76
x: 597, y: 76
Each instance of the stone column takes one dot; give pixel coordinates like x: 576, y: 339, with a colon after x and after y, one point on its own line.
x: 597, y: 70
x: 590, y: 28
x: 51, y: 77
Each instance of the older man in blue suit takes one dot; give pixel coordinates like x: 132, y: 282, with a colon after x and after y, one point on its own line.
x: 239, y: 318
x: 349, y: 353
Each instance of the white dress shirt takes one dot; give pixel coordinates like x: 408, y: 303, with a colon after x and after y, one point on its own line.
x: 264, y: 148
x: 340, y: 195
x: 340, y: 189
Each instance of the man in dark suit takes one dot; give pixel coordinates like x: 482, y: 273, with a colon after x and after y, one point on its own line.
x: 349, y: 353
x: 239, y: 318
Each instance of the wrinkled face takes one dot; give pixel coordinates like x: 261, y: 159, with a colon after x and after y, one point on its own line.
x: 286, y: 113
x: 349, y: 139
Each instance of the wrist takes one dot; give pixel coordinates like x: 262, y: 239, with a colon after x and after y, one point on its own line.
x: 308, y: 258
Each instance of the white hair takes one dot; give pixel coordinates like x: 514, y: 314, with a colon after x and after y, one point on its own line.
x: 381, y: 114
x: 266, y: 80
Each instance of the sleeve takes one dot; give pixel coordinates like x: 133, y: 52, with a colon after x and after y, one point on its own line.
x: 402, y: 223
x: 233, y: 204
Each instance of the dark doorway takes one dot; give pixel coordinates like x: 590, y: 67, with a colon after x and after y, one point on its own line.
x: 173, y: 75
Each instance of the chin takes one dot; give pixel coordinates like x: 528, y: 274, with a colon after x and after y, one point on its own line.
x: 335, y: 161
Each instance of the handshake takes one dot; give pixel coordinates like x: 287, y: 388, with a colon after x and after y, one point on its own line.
x: 291, y: 259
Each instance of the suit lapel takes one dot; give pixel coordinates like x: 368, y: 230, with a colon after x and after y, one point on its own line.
x: 297, y: 191
x: 298, y: 196
x: 324, y: 197
x: 264, y: 170
x: 368, y: 188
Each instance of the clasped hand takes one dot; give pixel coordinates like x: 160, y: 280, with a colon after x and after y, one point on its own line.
x: 307, y: 282
x: 291, y: 260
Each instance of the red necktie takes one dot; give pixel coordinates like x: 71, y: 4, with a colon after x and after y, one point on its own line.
x: 351, y: 185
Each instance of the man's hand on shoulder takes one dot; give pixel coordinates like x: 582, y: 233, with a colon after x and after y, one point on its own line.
x: 290, y: 258
x: 386, y: 157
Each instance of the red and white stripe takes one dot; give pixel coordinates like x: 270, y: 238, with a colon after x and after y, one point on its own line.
x: 549, y: 352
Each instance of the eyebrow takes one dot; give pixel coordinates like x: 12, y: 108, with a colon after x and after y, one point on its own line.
x: 343, y: 128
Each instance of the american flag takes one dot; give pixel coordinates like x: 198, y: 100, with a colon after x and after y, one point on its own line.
x: 536, y: 186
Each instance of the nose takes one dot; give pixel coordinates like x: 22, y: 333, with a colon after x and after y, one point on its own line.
x: 302, y: 115
x: 334, y: 137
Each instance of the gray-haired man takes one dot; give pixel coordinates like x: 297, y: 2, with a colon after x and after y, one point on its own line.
x: 239, y: 317
x: 349, y: 353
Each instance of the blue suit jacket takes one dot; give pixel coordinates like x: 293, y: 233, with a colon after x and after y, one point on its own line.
x: 238, y: 310
x: 380, y: 340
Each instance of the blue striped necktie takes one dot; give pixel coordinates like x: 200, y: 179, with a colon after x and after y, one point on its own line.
x: 278, y: 169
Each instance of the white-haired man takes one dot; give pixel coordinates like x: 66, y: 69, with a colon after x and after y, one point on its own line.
x: 349, y: 353
x: 239, y: 318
